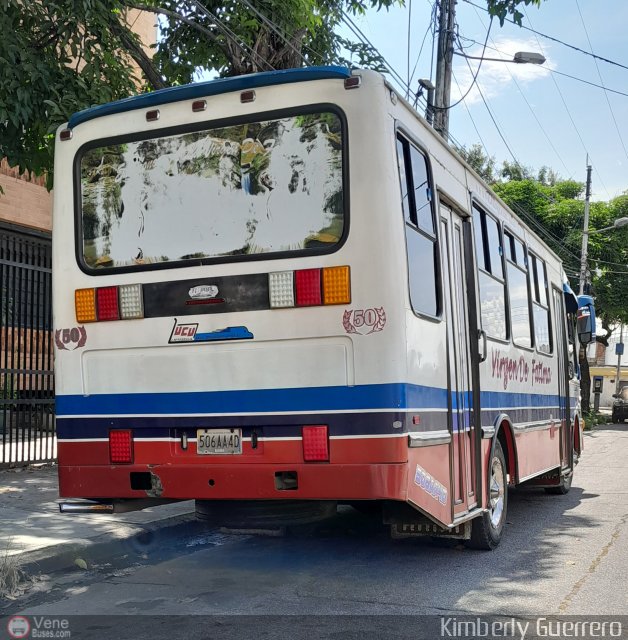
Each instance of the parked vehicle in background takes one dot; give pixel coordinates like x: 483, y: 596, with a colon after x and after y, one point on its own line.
x: 283, y: 291
x: 620, y: 405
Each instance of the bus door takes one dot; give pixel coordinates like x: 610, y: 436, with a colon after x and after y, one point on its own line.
x: 464, y: 449
x: 566, y: 439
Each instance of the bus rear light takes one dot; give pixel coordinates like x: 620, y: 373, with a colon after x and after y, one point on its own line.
x: 247, y: 96
x: 199, y: 105
x: 315, y: 443
x: 353, y: 82
x: 281, y: 289
x: 131, y: 301
x: 308, y: 287
x: 152, y: 115
x: 65, y: 134
x: 85, y: 305
x: 107, y: 303
x: 121, y: 446
x: 336, y: 285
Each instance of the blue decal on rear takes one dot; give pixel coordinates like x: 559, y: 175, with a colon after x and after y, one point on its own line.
x: 228, y: 333
x: 188, y: 332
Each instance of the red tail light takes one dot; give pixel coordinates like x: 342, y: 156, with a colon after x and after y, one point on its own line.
x: 107, y: 303
x: 315, y: 443
x: 308, y: 287
x: 121, y: 446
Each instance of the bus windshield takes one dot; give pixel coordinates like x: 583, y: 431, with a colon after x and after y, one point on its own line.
x: 251, y: 188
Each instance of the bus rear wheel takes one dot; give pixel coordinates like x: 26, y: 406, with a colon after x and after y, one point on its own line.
x: 563, y: 488
x: 487, y: 529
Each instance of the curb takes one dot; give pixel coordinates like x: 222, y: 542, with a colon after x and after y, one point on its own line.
x: 105, y: 548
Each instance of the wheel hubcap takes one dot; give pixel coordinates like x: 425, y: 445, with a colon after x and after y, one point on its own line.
x: 497, y: 491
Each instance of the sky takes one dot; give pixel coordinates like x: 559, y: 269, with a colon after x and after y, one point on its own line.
x: 545, y: 118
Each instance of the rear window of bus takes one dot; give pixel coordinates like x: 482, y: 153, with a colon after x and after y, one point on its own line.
x: 265, y: 188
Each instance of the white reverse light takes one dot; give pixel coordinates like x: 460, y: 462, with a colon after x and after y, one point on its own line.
x: 131, y: 304
x: 281, y: 288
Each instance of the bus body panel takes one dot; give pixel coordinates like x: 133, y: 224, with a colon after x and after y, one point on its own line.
x: 372, y: 384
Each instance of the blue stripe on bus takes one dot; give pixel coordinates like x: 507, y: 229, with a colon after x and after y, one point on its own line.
x: 312, y: 399
x: 210, y: 88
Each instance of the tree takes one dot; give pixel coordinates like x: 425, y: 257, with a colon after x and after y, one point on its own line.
x: 556, y: 213
x: 60, y: 56
x: 483, y: 165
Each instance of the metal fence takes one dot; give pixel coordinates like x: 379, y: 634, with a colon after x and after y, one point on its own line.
x: 27, y: 428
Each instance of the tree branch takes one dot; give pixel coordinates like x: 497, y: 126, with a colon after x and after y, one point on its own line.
x: 139, y: 55
x: 177, y: 16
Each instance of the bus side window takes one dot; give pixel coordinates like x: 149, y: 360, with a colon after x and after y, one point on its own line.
x: 489, y: 252
x: 571, y: 344
x: 518, y: 292
x: 418, y: 210
x: 540, y: 305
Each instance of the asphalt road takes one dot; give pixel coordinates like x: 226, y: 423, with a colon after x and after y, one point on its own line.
x: 560, y: 555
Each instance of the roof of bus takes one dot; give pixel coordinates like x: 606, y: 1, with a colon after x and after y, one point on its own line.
x: 210, y: 88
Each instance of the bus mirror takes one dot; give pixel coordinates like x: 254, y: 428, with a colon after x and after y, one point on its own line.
x: 586, y: 328
x: 586, y: 320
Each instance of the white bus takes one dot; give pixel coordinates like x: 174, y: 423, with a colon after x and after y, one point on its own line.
x: 280, y: 292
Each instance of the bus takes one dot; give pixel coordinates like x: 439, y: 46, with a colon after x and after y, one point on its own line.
x: 281, y: 292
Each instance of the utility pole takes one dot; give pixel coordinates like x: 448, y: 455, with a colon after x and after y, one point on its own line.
x: 620, y: 352
x: 585, y: 232
x: 444, y: 57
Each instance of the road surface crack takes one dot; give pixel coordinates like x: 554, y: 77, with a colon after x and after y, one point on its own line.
x: 564, y: 605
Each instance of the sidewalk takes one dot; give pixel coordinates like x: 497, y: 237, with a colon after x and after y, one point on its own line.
x: 36, y: 535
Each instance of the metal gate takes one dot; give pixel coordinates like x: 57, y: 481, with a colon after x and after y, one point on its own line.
x: 27, y: 428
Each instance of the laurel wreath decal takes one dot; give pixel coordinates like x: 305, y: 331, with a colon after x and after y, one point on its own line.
x: 346, y: 323
x: 65, y: 338
x: 381, y: 320
x: 364, y: 321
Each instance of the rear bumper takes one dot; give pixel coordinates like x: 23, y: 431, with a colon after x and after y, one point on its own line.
x: 315, y: 481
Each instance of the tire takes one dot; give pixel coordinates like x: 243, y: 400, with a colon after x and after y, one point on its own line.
x: 487, y: 529
x: 563, y: 488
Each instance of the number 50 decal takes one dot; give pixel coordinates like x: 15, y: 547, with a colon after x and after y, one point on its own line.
x: 70, y: 339
x: 364, y: 321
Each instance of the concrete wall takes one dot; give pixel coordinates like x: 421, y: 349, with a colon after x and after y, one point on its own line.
x: 25, y: 200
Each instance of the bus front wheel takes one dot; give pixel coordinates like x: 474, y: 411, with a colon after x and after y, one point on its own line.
x: 487, y: 529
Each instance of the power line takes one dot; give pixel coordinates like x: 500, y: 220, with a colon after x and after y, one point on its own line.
x: 553, y: 39
x: 430, y: 26
x: 475, y: 76
x: 230, y: 35
x: 408, y: 52
x: 472, y: 120
x: 610, y: 108
x: 560, y: 73
x: 275, y: 28
x: 490, y: 113
x: 562, y: 97
x: 534, y: 115
x: 360, y: 35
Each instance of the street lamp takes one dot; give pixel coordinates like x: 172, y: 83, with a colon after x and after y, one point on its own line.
x: 521, y: 57
x: 440, y: 107
x: 620, y: 222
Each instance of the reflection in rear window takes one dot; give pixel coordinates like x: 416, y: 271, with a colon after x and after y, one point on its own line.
x: 259, y: 187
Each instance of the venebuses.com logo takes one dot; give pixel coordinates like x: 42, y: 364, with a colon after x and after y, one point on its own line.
x: 38, y: 627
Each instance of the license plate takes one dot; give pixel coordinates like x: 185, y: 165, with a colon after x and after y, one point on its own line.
x: 219, y: 441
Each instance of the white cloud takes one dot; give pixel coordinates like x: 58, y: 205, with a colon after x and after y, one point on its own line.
x: 496, y: 77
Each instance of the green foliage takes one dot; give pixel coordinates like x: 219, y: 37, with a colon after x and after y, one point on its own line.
x: 483, y: 165
x: 60, y: 56
x: 288, y: 33
x: 503, y: 9
x: 56, y: 57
